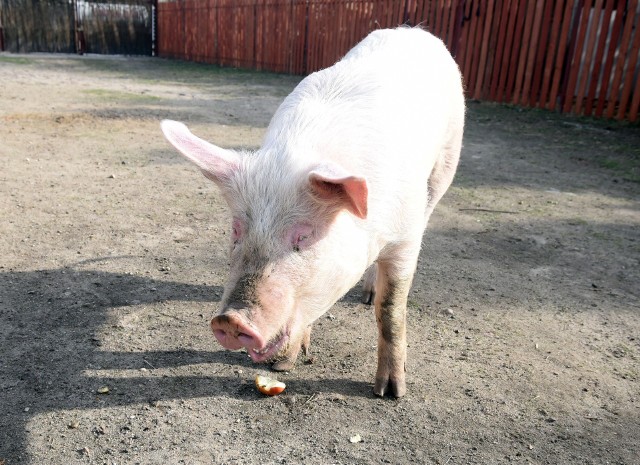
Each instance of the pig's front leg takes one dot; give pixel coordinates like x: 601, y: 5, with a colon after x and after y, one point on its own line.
x: 392, y: 290
x: 289, y: 360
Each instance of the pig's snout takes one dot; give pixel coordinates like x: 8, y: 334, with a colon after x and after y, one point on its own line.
x: 233, y: 331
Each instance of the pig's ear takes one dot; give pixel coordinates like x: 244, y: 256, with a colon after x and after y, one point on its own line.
x: 333, y: 184
x: 216, y: 163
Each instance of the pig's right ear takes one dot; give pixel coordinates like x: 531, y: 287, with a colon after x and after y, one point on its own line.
x: 216, y: 163
x: 332, y: 184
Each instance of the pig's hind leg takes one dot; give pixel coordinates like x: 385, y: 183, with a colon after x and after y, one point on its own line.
x: 369, y: 284
x: 445, y: 166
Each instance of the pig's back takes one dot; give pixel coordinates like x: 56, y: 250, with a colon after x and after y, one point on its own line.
x: 384, y: 111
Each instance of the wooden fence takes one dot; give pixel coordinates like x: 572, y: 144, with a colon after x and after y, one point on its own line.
x: 577, y: 56
x: 70, y: 26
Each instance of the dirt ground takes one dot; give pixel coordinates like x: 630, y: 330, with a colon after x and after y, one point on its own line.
x: 524, y: 328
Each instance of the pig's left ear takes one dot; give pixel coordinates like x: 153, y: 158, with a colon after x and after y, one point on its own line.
x: 333, y: 184
x: 216, y: 163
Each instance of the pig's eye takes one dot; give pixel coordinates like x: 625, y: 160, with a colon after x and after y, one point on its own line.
x: 299, y: 236
x: 299, y: 242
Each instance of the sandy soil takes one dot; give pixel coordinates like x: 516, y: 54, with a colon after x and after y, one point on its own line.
x: 524, y: 336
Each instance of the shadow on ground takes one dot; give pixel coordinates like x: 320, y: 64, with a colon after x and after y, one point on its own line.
x: 49, y: 340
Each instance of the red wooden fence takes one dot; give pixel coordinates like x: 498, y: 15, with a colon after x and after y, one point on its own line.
x: 577, y: 56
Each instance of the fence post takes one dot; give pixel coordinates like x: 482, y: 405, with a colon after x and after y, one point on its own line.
x: 305, y: 56
x: 457, y: 28
x: 79, y: 31
x: 1, y: 29
x: 154, y: 28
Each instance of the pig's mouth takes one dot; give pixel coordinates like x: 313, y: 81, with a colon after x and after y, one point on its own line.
x: 271, y: 348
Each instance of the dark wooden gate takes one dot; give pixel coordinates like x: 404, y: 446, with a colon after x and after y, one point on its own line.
x: 77, y: 26
x: 37, y: 26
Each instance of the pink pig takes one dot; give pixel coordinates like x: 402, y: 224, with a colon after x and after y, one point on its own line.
x: 352, y: 165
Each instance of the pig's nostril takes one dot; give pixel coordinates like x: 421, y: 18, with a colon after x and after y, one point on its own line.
x: 219, y: 334
x: 246, y: 339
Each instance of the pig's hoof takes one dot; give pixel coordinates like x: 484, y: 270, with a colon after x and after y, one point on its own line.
x: 390, y: 387
x: 367, y: 296
x: 283, y: 365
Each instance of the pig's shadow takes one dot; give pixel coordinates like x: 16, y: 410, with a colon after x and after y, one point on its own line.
x: 49, y: 326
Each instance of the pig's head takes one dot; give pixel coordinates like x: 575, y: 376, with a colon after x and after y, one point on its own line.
x: 297, y: 242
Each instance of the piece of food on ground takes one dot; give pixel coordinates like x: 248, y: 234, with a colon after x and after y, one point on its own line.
x: 269, y: 386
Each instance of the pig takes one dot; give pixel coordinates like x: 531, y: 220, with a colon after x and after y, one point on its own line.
x: 352, y: 165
